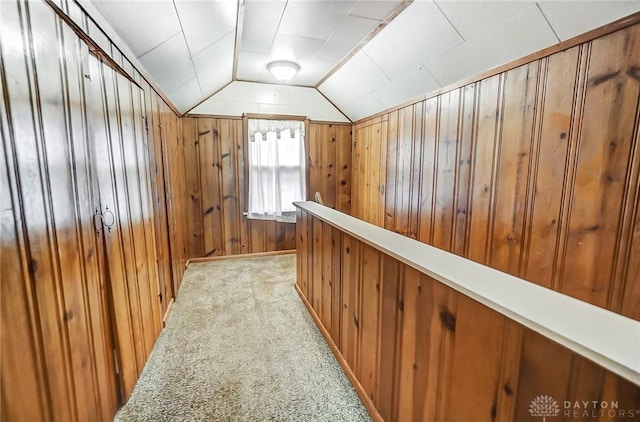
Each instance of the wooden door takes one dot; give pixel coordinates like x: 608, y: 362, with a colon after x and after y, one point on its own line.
x: 121, y: 170
x: 56, y: 349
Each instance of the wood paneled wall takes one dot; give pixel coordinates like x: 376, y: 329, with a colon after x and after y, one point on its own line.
x: 215, y: 154
x: 329, y: 147
x: 80, y: 291
x: 533, y: 171
x: 170, y: 200
x: 417, y: 350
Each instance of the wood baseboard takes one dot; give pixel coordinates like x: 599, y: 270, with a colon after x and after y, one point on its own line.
x: 239, y: 256
x: 366, y: 400
x: 167, y: 314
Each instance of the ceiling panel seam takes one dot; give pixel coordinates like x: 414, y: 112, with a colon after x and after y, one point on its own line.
x: 402, y: 6
x: 334, y: 105
x: 548, y: 23
x: 455, y: 28
x: 156, y: 46
x: 284, y: 10
x: 434, y: 58
x: 207, y: 99
x: 346, y: 15
x: 116, y: 41
x: 237, y: 44
x: 184, y: 37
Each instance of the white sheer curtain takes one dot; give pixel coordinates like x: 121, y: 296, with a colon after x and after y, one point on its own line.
x: 276, y: 168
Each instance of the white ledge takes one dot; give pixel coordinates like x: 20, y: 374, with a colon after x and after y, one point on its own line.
x: 604, y: 337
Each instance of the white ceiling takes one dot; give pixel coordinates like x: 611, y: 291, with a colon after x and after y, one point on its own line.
x: 189, y: 48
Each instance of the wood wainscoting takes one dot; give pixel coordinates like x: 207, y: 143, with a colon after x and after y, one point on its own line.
x: 417, y: 350
x: 215, y: 154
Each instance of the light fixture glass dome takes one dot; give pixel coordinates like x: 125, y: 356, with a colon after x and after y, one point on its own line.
x: 283, y: 70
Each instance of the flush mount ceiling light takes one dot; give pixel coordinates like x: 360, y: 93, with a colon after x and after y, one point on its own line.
x: 283, y: 70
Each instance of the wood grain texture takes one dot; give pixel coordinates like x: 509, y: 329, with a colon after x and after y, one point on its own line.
x: 533, y: 171
x: 76, y: 296
x: 216, y: 159
x: 176, y: 196
x: 418, y: 350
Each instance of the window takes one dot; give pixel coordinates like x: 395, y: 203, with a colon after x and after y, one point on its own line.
x: 276, y: 168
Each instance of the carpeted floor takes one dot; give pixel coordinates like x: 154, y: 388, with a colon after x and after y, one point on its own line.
x: 241, y: 346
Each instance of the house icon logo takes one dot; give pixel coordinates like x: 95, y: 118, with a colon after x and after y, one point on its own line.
x: 544, y: 406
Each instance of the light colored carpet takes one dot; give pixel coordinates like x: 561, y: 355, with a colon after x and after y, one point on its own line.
x: 241, y: 346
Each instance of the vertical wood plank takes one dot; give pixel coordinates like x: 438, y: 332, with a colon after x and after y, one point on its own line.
x: 21, y: 360
x: 240, y: 142
x: 380, y: 175
x: 391, y: 175
x: 192, y: 180
x: 389, y: 335
x: 158, y: 190
x: 428, y: 163
x: 631, y: 298
x: 479, y: 398
x: 326, y: 275
x: 468, y: 114
x: 37, y: 120
x: 605, y: 140
x: 301, y: 253
x: 512, y: 170
x: 315, y: 295
x: 357, y: 194
x: 328, y: 160
x: 483, y: 168
x: 130, y: 207
x: 370, y: 302
x: 550, y: 165
x: 406, y: 146
x: 315, y: 160
x: 336, y: 288
x: 415, y: 167
x: 343, y: 168
x: 351, y: 280
x: 271, y: 231
x: 446, y: 165
x: 209, y: 166
x: 546, y: 367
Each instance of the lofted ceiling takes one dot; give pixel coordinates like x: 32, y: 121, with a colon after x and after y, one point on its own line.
x: 356, y: 57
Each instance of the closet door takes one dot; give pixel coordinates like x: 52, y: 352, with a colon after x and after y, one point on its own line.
x: 121, y: 163
x: 56, y: 348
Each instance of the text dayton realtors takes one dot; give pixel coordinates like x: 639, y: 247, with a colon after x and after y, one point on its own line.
x: 595, y: 408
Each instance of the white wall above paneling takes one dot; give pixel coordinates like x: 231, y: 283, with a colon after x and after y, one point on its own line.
x: 364, y: 55
x: 251, y: 97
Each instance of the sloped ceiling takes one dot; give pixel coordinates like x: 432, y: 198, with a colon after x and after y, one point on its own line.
x: 357, y: 57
